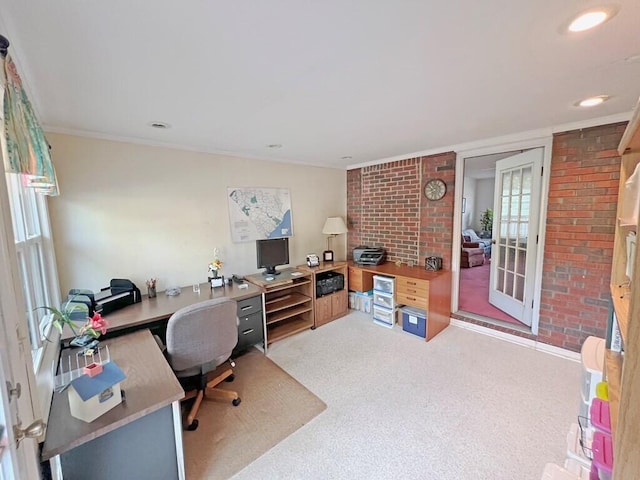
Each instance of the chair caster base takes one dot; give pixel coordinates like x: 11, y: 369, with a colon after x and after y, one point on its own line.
x: 236, y: 401
x: 193, y: 425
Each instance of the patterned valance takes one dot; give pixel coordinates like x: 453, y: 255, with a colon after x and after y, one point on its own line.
x: 27, y: 148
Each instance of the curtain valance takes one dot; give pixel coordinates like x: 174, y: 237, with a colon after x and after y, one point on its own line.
x: 27, y: 148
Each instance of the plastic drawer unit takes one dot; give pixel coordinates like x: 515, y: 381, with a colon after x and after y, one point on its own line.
x: 383, y: 284
x: 592, y: 360
x: 383, y: 299
x: 383, y: 316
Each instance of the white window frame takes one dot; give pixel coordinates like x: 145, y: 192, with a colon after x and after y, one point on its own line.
x: 38, y: 276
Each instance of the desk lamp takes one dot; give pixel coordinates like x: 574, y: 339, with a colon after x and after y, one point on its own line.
x: 332, y: 227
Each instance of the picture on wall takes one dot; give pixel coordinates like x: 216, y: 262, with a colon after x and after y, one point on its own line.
x: 257, y: 213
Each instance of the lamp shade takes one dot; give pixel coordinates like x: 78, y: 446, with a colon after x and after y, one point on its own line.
x: 334, y: 226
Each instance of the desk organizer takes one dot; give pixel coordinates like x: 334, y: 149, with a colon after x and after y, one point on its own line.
x: 72, y: 366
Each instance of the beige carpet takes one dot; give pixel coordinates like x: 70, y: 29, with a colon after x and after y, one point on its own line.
x: 274, y: 405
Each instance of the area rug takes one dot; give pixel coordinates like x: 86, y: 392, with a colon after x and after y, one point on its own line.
x: 228, y: 438
x: 474, y: 294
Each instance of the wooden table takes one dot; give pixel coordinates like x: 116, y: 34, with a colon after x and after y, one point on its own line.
x: 141, y: 437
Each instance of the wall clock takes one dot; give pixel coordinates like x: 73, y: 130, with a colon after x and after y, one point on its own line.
x: 435, y: 189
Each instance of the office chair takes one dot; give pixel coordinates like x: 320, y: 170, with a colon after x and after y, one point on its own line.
x: 200, y: 338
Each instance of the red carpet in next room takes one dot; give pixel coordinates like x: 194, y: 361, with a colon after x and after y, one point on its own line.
x: 474, y: 294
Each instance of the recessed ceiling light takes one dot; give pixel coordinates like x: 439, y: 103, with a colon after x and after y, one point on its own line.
x: 592, y: 101
x: 275, y: 145
x: 592, y: 18
x: 159, y: 125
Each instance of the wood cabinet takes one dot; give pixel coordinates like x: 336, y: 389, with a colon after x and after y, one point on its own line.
x: 415, y: 286
x: 288, y: 303
x: 330, y: 307
x: 359, y: 281
x: 333, y: 305
x: 623, y: 370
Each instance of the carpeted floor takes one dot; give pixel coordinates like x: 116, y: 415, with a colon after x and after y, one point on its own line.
x: 463, y: 406
x: 474, y: 294
x: 274, y: 405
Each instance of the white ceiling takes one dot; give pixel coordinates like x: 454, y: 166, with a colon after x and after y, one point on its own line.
x: 369, y: 79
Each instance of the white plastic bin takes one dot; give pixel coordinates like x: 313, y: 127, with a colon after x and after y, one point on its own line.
x: 383, y: 316
x: 383, y: 284
x: 383, y: 299
x: 592, y: 360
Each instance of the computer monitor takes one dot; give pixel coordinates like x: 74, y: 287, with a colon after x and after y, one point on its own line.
x: 272, y: 252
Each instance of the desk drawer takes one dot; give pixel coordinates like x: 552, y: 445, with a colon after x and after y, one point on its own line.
x: 412, y: 286
x: 413, y: 300
x: 250, y: 331
x: 249, y: 306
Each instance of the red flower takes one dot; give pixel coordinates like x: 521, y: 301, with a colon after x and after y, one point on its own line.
x: 98, y: 323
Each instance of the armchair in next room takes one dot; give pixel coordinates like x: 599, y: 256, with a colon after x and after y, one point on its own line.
x: 469, y: 235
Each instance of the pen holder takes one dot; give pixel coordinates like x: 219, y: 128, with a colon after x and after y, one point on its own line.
x: 151, y: 291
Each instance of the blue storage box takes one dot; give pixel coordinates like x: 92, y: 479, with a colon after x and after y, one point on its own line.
x: 414, y: 321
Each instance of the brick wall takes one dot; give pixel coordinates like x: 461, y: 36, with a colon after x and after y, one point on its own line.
x: 436, y: 217
x: 579, y: 232
x: 386, y: 208
x: 583, y: 195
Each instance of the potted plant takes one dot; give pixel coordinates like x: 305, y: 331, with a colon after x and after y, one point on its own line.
x: 486, y: 221
x: 71, y: 314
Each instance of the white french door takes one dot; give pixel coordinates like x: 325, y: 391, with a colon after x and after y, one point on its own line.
x: 515, y: 233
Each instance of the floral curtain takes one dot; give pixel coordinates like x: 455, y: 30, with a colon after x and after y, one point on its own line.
x: 27, y: 148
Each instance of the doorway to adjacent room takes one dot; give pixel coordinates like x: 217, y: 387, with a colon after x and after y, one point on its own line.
x: 499, y: 225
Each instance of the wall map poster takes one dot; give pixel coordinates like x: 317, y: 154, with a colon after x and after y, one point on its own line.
x: 257, y: 213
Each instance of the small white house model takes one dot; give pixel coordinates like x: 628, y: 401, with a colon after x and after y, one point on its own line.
x: 93, y: 396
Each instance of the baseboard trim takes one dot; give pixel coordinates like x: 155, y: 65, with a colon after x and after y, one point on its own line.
x: 525, y: 342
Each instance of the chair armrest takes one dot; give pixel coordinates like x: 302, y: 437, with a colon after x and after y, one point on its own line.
x: 470, y: 245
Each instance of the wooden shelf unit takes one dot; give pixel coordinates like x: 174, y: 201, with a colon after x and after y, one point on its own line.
x: 622, y: 371
x: 288, y: 303
x: 330, y: 307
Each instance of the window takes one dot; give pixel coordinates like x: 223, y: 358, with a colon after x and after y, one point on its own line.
x: 36, y: 260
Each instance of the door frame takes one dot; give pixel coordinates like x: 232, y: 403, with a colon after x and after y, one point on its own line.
x: 545, y: 142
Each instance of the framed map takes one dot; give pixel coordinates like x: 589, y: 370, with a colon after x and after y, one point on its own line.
x: 257, y: 213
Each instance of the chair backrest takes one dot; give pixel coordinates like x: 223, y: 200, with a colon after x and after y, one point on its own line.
x: 202, y: 333
x: 471, y: 233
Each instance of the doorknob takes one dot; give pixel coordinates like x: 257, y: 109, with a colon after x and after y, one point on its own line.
x: 32, y: 431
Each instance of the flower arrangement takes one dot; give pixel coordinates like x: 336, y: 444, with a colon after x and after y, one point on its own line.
x: 216, y: 265
x: 93, y: 326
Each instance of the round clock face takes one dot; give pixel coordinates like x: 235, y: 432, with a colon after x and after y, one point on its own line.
x: 435, y: 189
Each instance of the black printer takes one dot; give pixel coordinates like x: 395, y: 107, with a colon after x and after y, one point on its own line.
x: 120, y: 293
